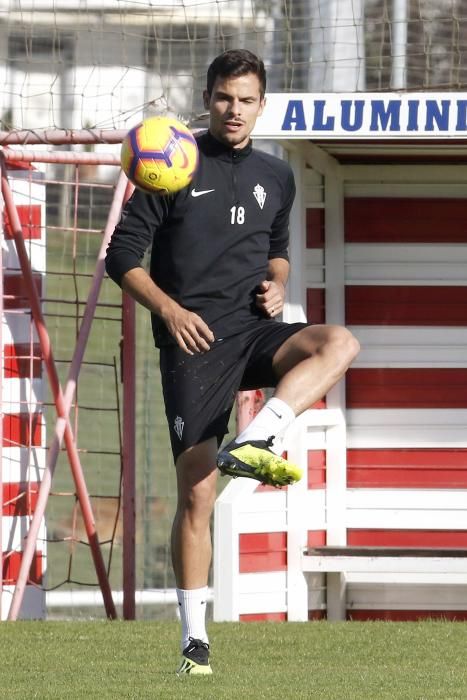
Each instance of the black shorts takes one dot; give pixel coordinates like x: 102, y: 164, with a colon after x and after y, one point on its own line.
x: 200, y: 390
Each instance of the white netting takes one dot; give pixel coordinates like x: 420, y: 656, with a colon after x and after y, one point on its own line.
x: 428, y: 40
x: 88, y: 63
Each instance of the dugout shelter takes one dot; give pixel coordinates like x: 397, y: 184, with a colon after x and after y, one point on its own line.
x: 379, y: 244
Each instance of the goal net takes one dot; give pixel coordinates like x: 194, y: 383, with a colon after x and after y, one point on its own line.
x: 82, y: 63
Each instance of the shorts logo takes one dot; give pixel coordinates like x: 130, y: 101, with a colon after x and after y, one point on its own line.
x: 178, y: 426
x: 260, y: 195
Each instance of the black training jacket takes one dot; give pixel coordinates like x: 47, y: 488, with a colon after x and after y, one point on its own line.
x: 211, y: 242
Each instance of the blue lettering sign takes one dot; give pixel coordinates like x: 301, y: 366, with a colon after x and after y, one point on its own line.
x: 347, y: 123
x: 435, y: 114
x: 382, y: 115
x: 295, y: 115
x: 412, y: 121
x: 461, y: 115
x: 318, y: 122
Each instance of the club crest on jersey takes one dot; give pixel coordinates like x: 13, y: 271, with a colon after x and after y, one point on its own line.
x: 260, y: 195
x: 178, y: 426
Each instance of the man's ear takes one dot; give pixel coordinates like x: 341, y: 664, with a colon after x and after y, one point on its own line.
x: 206, y: 99
x: 262, y: 106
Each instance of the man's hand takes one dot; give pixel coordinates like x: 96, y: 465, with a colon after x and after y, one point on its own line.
x: 189, y: 330
x: 271, y: 298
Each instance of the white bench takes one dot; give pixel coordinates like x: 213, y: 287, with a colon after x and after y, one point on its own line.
x: 333, y: 509
x: 337, y: 561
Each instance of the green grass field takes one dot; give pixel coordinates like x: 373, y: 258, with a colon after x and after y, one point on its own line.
x: 316, y: 660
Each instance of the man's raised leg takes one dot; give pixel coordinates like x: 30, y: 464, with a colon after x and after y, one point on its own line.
x: 307, y: 364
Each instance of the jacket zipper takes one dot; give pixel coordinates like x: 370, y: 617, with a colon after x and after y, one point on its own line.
x: 234, y: 180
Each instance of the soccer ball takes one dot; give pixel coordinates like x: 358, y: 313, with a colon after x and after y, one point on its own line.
x: 159, y: 155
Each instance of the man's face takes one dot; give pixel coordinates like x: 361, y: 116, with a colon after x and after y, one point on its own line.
x: 234, y: 105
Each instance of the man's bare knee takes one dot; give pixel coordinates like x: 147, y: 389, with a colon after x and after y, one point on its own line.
x: 196, y: 479
x: 341, y: 343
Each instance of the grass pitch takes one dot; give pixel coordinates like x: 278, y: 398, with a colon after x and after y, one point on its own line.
x: 251, y: 661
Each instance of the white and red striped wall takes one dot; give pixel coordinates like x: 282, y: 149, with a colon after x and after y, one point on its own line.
x: 406, y: 298
x: 23, y: 448
x: 384, y: 251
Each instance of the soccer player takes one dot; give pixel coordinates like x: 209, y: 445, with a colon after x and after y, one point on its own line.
x: 216, y: 284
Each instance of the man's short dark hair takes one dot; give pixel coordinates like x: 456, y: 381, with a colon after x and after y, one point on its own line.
x: 234, y: 63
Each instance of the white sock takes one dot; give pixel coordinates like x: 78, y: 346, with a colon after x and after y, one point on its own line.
x: 272, y: 419
x: 192, y: 606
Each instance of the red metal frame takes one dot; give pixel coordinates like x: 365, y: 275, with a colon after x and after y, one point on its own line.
x: 63, y: 401
x: 1, y: 421
x: 129, y: 450
x: 129, y: 458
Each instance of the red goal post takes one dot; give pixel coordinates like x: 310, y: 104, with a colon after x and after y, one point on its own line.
x: 21, y: 155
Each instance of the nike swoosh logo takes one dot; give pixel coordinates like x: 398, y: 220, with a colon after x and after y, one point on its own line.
x: 194, y: 193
